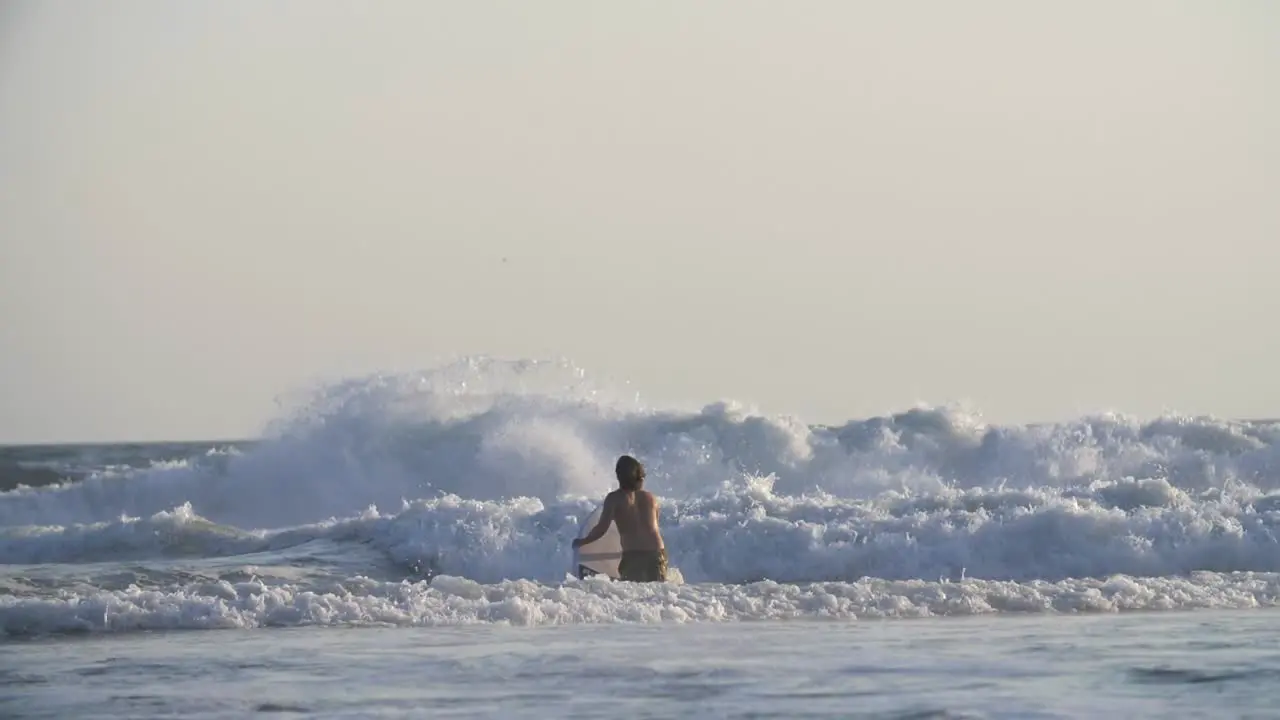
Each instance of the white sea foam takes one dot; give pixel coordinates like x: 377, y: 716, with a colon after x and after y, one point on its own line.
x: 448, y: 600
x: 745, y: 531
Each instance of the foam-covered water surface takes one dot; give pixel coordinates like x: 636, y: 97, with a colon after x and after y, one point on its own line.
x: 450, y: 496
x: 1169, y: 665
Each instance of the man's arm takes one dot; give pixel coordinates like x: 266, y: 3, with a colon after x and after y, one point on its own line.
x: 597, y: 532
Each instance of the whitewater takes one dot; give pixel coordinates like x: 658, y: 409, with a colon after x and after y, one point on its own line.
x: 444, y: 501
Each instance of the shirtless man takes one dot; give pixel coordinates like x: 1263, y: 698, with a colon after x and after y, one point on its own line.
x: 644, y: 557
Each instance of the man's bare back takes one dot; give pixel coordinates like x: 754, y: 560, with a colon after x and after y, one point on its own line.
x: 636, y: 513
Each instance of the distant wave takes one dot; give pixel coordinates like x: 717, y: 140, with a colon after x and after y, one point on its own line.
x: 489, y: 430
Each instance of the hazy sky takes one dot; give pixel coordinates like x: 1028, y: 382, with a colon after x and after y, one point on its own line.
x: 831, y: 209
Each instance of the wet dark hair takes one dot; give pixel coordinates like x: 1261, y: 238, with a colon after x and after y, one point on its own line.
x: 630, y: 473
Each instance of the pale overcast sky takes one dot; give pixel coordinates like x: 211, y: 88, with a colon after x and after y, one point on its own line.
x: 829, y: 209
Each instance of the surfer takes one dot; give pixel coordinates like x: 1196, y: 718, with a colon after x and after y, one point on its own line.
x: 635, y: 510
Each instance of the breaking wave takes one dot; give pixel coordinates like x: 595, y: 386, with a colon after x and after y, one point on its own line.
x: 477, y: 475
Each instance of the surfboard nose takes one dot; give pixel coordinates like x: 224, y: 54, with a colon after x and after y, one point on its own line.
x: 602, y: 556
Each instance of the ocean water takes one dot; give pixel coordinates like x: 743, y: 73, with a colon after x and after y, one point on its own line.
x: 398, y: 545
x: 1211, y: 664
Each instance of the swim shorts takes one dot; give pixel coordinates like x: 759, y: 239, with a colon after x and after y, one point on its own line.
x: 643, y: 566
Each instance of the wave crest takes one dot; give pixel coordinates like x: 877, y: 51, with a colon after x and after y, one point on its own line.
x: 483, y: 470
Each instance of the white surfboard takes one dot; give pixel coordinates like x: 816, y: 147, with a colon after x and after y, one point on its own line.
x: 600, y: 557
